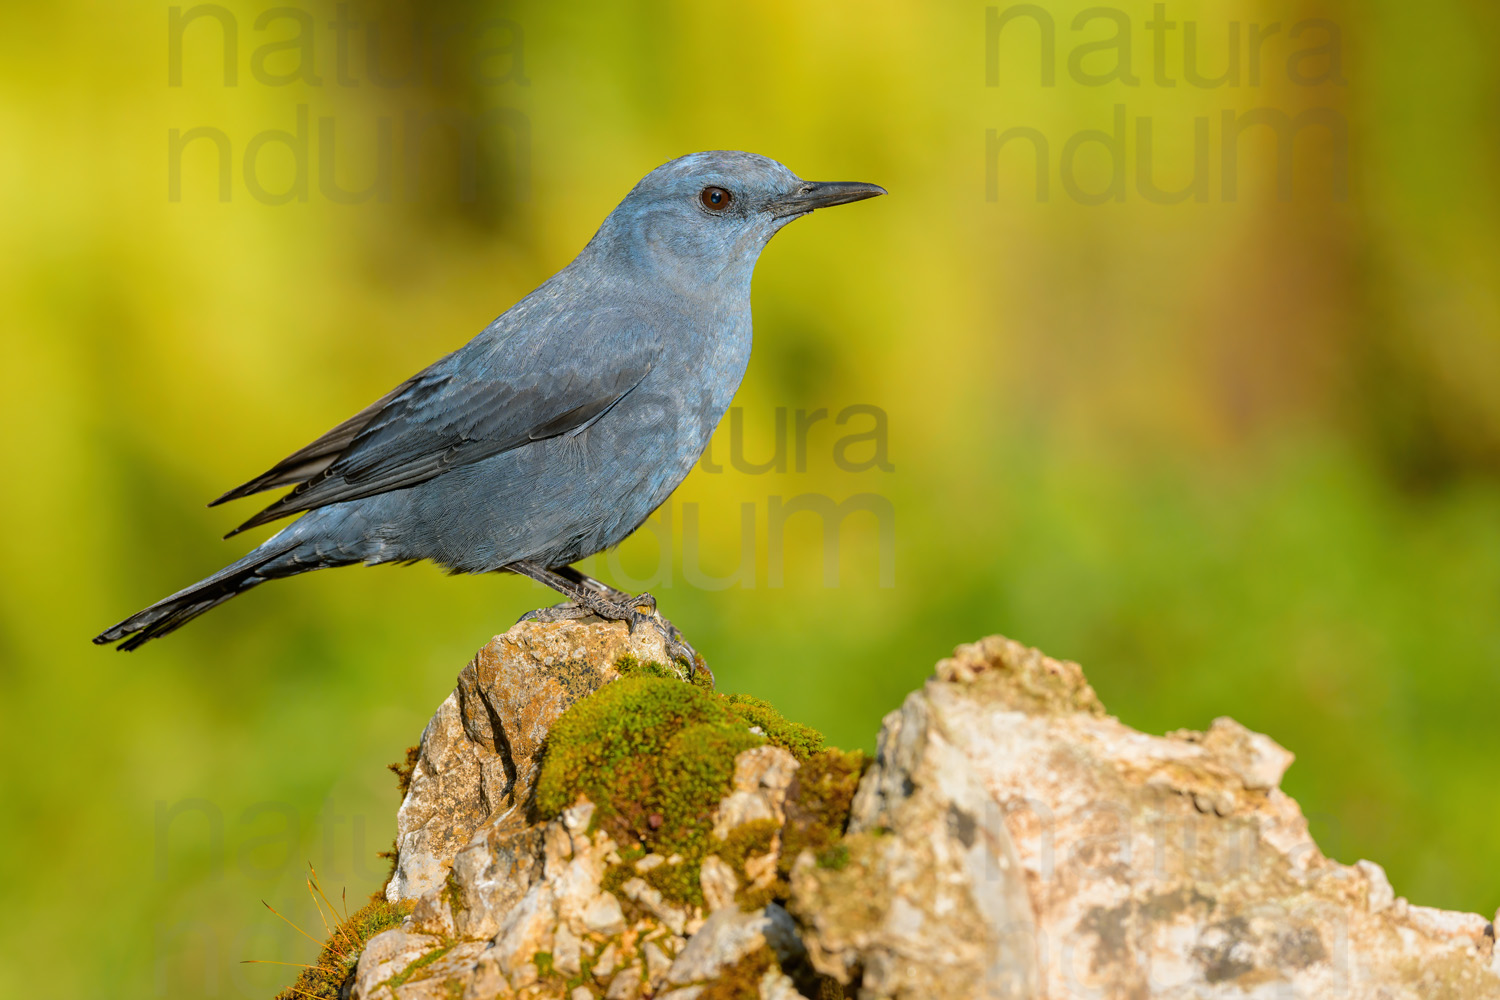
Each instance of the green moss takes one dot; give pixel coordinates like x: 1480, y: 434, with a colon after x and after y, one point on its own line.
x: 543, y: 962
x: 421, y: 963
x: 700, y: 676
x: 741, y: 981
x: 585, y: 975
x: 752, y: 899
x: 747, y: 840
x: 653, y: 755
x: 750, y: 840
x: 835, y: 858
x: 617, y: 875
x: 453, y: 893
x: 403, y: 771
x: 336, y: 962
x: 656, y: 756
x: 679, y: 882
x: 798, y: 740
x: 630, y: 666
x: 828, y: 988
x: 817, y: 807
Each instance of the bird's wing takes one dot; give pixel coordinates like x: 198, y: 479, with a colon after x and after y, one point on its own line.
x: 458, y: 411
x: 307, y: 462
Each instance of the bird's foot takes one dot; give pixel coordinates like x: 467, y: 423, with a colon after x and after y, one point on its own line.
x: 621, y: 607
x: 678, y: 646
x: 594, y: 597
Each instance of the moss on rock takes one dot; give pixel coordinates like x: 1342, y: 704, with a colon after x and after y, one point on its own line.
x: 631, y: 666
x: 798, y: 740
x: 340, y: 954
x: 741, y: 981
x: 656, y: 756
x: 653, y: 755
x: 403, y: 770
x: 817, y: 807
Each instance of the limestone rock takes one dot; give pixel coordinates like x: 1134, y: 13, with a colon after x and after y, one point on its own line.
x: 388, y: 954
x: 761, y: 778
x: 479, y: 753
x: 730, y: 935
x: 1174, y: 866
x: 1010, y: 839
x: 931, y: 902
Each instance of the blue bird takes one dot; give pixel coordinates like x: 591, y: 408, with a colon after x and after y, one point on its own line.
x: 555, y: 432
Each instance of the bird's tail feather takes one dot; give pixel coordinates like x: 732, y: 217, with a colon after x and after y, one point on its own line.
x: 171, y: 613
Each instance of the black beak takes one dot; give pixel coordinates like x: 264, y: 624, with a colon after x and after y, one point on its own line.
x: 823, y: 194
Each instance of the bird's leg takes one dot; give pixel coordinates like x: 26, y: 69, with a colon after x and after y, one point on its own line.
x: 582, y: 601
x: 581, y: 579
x: 589, y: 596
x: 569, y: 610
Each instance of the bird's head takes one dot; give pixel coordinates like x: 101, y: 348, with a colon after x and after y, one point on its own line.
x: 707, y: 216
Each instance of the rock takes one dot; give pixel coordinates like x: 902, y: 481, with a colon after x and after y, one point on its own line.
x: 931, y: 901
x: 777, y: 985
x: 443, y: 805
x: 479, y: 754
x: 1174, y: 865
x: 433, y: 916
x: 386, y: 955
x: 730, y: 935
x: 1009, y: 839
x: 603, y: 916
x: 718, y: 882
x: 674, y: 918
x: 761, y: 778
x: 626, y: 984
x: 605, y: 967
x: 658, y: 963
x: 527, y: 930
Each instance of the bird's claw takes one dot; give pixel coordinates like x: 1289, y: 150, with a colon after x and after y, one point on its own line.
x: 678, y: 648
x: 564, y: 612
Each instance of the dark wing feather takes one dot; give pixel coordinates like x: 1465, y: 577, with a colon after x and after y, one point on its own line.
x: 313, y: 459
x: 452, y: 414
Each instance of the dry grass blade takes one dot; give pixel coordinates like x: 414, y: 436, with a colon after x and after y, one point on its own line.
x: 338, y: 926
x: 268, y: 961
x: 304, y: 993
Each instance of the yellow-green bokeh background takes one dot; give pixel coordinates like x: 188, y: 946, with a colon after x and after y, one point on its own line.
x: 1236, y: 457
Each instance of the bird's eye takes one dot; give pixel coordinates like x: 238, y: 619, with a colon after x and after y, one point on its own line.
x: 715, y: 199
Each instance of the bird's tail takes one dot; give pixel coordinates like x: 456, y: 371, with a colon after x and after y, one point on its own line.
x: 267, y: 562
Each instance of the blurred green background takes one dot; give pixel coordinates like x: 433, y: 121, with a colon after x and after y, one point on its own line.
x: 1237, y: 455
